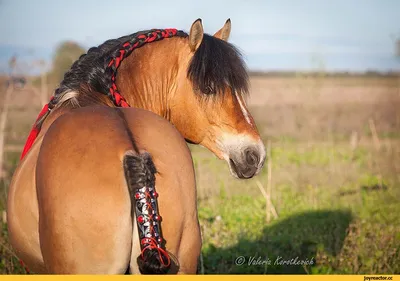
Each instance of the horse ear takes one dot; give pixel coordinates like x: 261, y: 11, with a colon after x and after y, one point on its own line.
x: 196, y: 35
x: 225, y: 31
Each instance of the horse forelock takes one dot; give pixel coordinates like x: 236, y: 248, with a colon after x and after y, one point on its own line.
x: 218, y: 66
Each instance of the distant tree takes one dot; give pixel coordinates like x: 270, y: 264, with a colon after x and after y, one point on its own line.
x: 65, y: 55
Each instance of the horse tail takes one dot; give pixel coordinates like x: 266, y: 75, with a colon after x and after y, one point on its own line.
x: 140, y: 173
x: 140, y: 176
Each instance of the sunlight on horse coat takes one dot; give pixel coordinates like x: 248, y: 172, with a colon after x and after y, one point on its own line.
x: 69, y: 207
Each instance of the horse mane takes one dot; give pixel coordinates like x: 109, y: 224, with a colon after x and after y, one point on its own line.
x: 215, y: 66
x: 91, y: 72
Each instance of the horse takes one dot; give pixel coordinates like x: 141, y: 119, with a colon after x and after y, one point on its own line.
x: 106, y: 183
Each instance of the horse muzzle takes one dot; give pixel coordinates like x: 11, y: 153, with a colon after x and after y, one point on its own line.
x: 247, y: 163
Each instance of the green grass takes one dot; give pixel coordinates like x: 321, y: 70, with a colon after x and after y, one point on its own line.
x: 343, y: 213
x: 337, y: 207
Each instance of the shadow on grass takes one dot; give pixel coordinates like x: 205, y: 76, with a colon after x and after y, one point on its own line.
x: 298, y: 236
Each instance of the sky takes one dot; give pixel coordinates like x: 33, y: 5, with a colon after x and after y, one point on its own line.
x: 341, y: 35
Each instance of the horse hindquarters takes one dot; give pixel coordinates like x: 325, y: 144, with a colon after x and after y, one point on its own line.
x: 84, y: 207
x: 85, y: 217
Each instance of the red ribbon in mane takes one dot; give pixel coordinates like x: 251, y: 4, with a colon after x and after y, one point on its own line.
x: 34, y: 132
x: 118, y: 99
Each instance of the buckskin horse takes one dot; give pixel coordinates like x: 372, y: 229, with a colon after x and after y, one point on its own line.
x: 83, y: 198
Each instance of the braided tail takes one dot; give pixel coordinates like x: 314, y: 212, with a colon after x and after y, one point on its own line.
x: 140, y: 176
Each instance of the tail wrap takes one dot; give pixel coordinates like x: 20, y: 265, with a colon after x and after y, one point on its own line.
x: 140, y: 175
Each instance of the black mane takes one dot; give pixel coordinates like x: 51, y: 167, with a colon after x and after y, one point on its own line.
x: 215, y: 66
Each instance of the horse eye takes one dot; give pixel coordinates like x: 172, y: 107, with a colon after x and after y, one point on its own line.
x: 209, y: 90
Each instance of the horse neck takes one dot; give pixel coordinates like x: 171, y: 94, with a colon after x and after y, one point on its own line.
x: 148, y: 77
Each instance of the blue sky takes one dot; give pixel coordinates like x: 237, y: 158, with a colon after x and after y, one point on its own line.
x: 347, y: 35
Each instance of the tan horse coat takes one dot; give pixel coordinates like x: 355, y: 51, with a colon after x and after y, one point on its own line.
x: 85, y: 224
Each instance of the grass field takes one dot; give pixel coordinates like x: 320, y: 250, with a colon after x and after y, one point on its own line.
x: 335, y: 184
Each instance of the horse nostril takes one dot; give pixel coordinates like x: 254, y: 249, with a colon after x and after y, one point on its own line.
x: 246, y: 165
x: 252, y: 157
